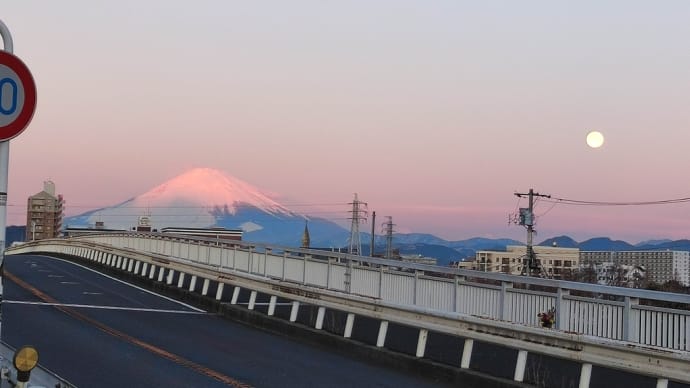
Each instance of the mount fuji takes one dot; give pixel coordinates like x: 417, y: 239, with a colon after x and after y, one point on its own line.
x: 204, y: 197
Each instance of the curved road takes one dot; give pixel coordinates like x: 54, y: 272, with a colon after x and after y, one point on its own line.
x: 97, y: 331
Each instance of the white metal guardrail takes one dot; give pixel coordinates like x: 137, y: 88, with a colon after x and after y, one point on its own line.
x: 591, y: 329
x: 610, y: 312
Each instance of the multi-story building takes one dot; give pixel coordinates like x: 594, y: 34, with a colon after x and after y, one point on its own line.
x: 555, y: 261
x: 44, y: 214
x: 660, y: 266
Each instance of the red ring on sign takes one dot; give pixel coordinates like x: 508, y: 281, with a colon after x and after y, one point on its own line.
x: 20, y: 123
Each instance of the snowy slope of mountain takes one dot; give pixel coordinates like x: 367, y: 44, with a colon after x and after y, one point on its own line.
x: 205, y: 197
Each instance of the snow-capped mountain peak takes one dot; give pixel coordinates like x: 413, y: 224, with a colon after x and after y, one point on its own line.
x: 207, y: 187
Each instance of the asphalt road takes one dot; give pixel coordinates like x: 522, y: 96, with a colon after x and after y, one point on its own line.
x: 96, y: 331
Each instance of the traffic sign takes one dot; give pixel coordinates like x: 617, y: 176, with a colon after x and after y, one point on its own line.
x: 17, y: 96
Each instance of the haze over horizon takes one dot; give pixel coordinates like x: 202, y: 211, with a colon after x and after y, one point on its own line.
x: 435, y: 113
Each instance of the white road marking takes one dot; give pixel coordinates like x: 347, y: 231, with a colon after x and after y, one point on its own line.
x: 131, y: 285
x: 103, y: 307
x: 91, y: 293
x: 69, y: 282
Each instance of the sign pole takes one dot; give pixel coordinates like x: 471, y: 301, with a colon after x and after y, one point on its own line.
x: 4, y: 173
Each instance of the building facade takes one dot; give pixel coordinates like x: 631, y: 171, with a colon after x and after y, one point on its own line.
x: 555, y: 261
x: 660, y: 266
x: 44, y: 212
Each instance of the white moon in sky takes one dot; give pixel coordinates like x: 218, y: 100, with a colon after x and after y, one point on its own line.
x: 595, y: 139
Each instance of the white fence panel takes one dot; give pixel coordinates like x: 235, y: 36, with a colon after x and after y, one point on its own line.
x: 436, y: 293
x: 364, y: 281
x: 317, y: 273
x: 274, y: 266
x: 479, y: 301
x: 294, y: 269
x: 398, y: 287
x: 337, y: 281
x: 214, y: 255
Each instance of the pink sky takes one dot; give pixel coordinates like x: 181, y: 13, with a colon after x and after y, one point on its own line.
x: 435, y: 112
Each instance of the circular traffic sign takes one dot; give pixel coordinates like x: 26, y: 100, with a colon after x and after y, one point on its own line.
x: 17, y: 96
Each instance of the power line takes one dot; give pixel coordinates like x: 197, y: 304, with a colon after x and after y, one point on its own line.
x: 566, y: 201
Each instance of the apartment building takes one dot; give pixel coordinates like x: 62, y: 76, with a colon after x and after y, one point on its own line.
x: 555, y: 261
x: 660, y: 266
x: 44, y: 213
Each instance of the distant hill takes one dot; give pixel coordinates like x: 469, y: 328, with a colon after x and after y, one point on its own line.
x: 652, y: 242
x: 605, y: 244
x: 560, y: 241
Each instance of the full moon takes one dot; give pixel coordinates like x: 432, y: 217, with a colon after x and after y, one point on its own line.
x: 595, y: 139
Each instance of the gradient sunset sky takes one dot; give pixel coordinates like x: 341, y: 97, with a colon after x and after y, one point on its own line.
x: 434, y: 112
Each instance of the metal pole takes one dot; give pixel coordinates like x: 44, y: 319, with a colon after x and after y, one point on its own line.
x: 530, y: 231
x: 373, y: 223
x: 4, y: 171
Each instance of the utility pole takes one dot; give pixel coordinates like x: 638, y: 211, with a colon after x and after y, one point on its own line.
x: 527, y: 219
x: 373, y: 223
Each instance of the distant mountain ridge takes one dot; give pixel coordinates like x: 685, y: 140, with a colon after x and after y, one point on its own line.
x: 205, y: 197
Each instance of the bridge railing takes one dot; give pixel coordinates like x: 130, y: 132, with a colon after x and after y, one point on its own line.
x: 590, y: 309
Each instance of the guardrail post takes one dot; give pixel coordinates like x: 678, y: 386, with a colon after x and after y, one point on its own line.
x: 466, y: 353
x: 319, y: 318
x: 585, y: 375
x: 662, y: 383
x: 192, y: 283
x: 136, y: 266
x: 421, y: 342
x: 161, y: 274
x: 144, y: 267
x: 250, y: 260
x: 130, y: 264
x: 520, y: 366
x: 380, y: 281
x: 629, y: 321
x: 349, y: 323
x: 561, y: 312
x: 294, y: 311
x: 204, y: 288
x: 304, y: 269
x: 152, y: 271
x: 504, y: 300
x: 219, y: 291
x: 284, y: 260
x: 272, y: 305
x: 252, y: 300
x: 171, y: 274
x: 381, y: 339
x: 180, y: 280
x: 235, y: 295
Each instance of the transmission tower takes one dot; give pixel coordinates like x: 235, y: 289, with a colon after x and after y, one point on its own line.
x: 526, y: 218
x: 358, y: 215
x: 388, y: 231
